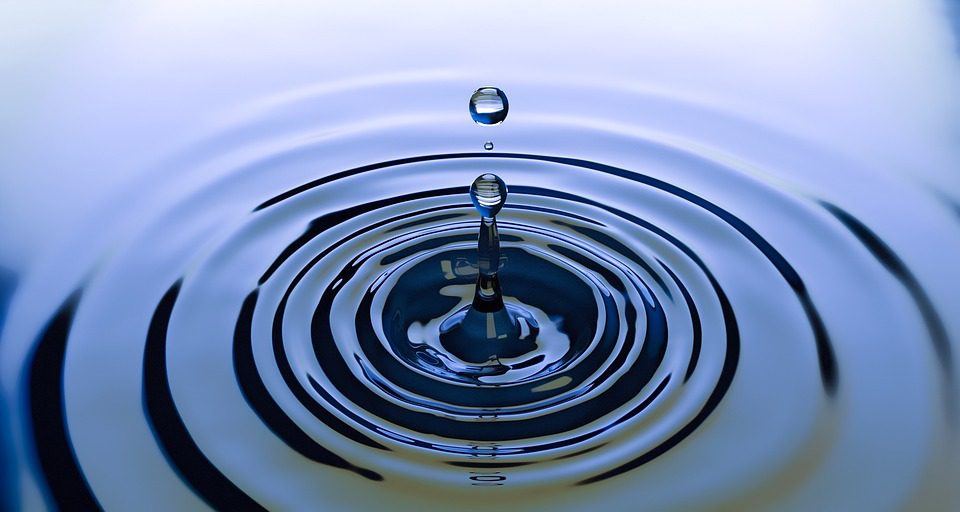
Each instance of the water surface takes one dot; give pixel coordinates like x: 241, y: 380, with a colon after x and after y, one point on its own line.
x: 225, y: 261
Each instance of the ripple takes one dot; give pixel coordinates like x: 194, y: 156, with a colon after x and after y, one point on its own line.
x: 280, y: 318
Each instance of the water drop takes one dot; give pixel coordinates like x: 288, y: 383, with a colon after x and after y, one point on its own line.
x: 488, y: 329
x: 488, y: 145
x: 488, y: 194
x: 489, y: 106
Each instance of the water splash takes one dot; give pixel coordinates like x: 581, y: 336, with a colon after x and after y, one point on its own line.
x: 488, y: 330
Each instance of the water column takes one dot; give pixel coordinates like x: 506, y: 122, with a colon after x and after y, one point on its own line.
x: 488, y: 329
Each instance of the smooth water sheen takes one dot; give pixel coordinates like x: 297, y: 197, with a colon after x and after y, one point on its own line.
x: 713, y: 301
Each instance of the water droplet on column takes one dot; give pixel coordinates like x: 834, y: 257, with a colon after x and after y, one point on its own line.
x: 489, y: 329
x: 488, y: 193
x: 489, y: 106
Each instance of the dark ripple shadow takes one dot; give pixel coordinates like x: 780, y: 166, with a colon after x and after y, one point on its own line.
x: 936, y: 330
x: 172, y: 436
x: 272, y: 415
x: 68, y: 488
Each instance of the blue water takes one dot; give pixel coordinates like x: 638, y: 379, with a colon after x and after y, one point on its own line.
x: 230, y: 235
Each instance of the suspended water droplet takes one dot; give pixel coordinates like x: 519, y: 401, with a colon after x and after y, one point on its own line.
x: 488, y: 193
x: 488, y: 145
x: 489, y: 106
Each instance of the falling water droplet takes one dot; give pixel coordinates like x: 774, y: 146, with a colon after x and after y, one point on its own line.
x: 488, y: 193
x: 488, y: 145
x: 489, y: 106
